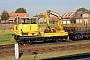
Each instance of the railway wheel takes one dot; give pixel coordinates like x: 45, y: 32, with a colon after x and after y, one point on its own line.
x: 16, y: 37
x: 29, y: 42
x: 20, y: 42
x: 54, y: 40
x: 78, y: 37
x: 60, y: 40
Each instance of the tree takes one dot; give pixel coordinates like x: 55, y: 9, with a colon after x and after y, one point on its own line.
x: 4, y: 15
x: 81, y: 9
x: 20, y: 10
x: 39, y: 16
x: 52, y: 21
x: 73, y: 20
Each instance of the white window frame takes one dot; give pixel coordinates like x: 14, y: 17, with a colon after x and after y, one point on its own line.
x: 64, y: 22
x: 86, y: 20
x: 80, y: 20
x: 85, y: 15
x: 68, y: 22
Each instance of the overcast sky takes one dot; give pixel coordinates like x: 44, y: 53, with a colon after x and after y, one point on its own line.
x: 34, y: 7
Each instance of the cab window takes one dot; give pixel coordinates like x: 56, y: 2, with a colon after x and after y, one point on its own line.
x: 33, y: 21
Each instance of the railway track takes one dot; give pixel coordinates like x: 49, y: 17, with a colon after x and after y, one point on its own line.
x: 7, y: 50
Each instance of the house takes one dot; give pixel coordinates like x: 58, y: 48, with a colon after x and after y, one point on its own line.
x: 67, y: 16
x: 13, y: 15
x: 42, y: 18
x: 82, y: 17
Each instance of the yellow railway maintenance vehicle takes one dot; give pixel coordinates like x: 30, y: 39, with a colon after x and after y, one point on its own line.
x: 27, y: 31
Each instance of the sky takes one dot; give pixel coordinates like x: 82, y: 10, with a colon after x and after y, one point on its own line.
x: 34, y: 7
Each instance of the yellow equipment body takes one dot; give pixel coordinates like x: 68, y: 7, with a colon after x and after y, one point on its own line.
x: 27, y: 30
x: 57, y: 31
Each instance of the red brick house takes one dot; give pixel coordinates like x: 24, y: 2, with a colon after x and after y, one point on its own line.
x: 67, y: 16
x: 13, y: 15
x: 82, y: 17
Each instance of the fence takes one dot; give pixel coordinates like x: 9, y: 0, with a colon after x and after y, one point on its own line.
x: 6, y: 26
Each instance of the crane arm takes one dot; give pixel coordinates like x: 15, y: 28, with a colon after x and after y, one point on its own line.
x: 48, y: 12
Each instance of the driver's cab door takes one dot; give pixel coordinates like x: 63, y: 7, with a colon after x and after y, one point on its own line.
x: 34, y: 24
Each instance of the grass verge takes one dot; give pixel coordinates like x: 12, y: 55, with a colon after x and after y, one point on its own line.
x: 6, y: 37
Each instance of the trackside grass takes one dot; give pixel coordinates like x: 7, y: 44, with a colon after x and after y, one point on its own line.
x: 6, y: 37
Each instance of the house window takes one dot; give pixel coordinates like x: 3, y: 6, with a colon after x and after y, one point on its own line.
x: 68, y: 22
x: 10, y: 21
x: 85, y: 15
x: 77, y: 20
x: 80, y: 20
x: 64, y: 22
x: 86, y: 21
